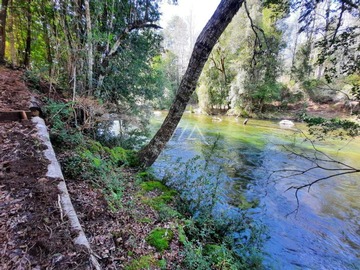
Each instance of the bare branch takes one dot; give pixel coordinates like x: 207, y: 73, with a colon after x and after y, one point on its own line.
x: 255, y: 30
x: 320, y: 161
x: 350, y: 4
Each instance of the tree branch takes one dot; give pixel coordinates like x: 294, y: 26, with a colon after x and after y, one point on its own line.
x: 319, y: 161
x: 136, y: 25
x: 350, y: 4
x: 255, y: 30
x: 343, y: 8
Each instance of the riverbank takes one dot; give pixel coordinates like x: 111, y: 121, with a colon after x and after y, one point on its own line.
x: 132, y: 220
x: 294, y: 112
x: 116, y: 215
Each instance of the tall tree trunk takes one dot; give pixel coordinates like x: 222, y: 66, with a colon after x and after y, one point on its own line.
x: 295, y: 48
x: 3, y: 14
x: 28, y: 36
x: 203, y: 46
x: 326, y: 42
x: 90, y: 56
x: 13, y: 55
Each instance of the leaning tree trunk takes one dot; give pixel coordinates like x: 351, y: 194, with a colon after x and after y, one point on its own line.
x: 203, y: 46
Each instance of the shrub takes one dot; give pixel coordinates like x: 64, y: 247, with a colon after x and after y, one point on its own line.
x: 60, y: 117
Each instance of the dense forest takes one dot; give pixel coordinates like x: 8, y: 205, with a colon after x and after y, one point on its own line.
x: 273, y: 53
x: 101, y: 65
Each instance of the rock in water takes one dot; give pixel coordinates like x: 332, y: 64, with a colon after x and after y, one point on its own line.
x: 286, y: 124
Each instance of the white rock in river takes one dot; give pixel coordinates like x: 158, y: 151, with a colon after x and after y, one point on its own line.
x: 286, y: 124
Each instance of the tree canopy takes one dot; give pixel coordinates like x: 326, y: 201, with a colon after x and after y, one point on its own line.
x: 116, y: 52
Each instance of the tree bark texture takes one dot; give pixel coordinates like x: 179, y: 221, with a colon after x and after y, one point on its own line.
x: 28, y: 36
x: 203, y: 47
x: 89, y: 46
x: 3, y: 15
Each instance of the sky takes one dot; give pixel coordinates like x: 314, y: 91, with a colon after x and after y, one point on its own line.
x: 201, y: 11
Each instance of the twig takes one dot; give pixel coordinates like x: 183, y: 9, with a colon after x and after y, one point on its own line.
x: 60, y: 208
x: 49, y: 230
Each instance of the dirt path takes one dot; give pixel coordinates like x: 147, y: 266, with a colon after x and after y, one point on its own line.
x: 32, y: 233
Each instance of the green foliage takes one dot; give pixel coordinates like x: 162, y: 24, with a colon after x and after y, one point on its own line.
x: 163, y: 199
x: 60, y: 48
x: 198, y: 181
x: 118, y: 155
x: 60, y: 117
x: 101, y: 170
x: 221, y: 257
x: 217, y: 77
x: 354, y: 81
x: 146, y: 262
x: 160, y: 238
x: 287, y: 96
x: 145, y: 176
x: 168, y: 79
x: 264, y: 92
x: 32, y: 79
x: 212, y: 256
x: 152, y: 185
x: 242, y: 71
x: 100, y: 165
x: 302, y: 67
x: 125, y: 84
x: 194, y: 258
x: 314, y: 88
x: 322, y: 128
x: 131, y: 135
x: 341, y: 44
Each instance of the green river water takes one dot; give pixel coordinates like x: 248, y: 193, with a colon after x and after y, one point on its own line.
x: 325, y: 231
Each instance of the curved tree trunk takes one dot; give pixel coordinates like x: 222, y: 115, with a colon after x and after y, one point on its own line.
x: 203, y: 46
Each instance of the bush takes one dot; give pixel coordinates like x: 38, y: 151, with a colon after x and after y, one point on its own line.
x: 100, y: 165
x: 60, y: 117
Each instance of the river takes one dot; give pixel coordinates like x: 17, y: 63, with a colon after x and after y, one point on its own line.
x: 323, y: 231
